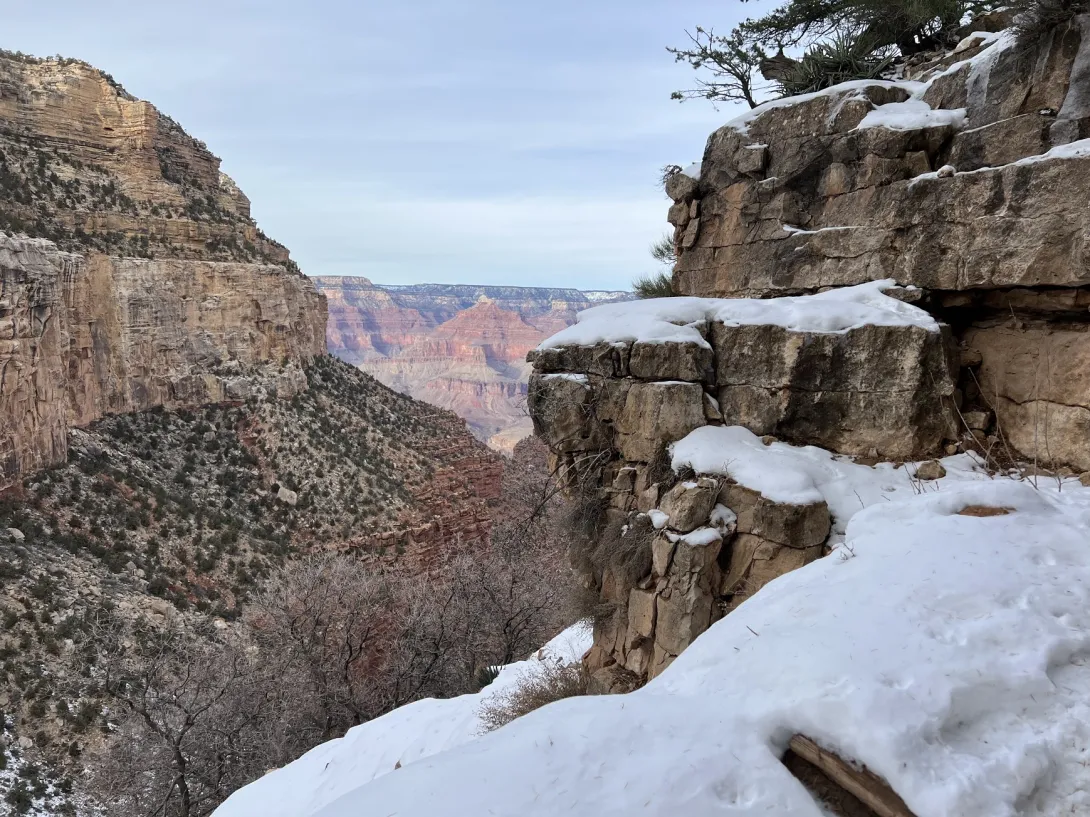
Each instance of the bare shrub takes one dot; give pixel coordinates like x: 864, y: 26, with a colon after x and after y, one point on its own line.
x: 625, y: 550
x: 191, y: 718
x: 535, y: 690
x: 1037, y: 18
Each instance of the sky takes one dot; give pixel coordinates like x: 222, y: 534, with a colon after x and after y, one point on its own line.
x: 478, y: 141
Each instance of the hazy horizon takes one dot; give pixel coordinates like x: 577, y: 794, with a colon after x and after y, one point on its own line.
x: 382, y: 140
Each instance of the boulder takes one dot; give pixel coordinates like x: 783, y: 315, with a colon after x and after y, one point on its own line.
x: 689, y: 504
x: 881, y: 388
x: 671, y: 361
x: 563, y: 411
x: 603, y: 359
x: 655, y: 415
x: 932, y: 469
x: 755, y: 561
x: 686, y: 606
x: 797, y: 526
x: 1036, y: 376
x: 287, y: 496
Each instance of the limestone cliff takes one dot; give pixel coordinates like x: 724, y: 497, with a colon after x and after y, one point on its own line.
x: 968, y: 183
x: 952, y: 202
x: 459, y: 347
x: 131, y: 273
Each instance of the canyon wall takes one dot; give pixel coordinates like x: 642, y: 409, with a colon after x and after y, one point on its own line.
x: 131, y: 273
x: 968, y: 184
x: 459, y: 347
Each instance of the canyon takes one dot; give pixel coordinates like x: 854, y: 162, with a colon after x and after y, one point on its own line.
x: 459, y: 347
x: 172, y: 428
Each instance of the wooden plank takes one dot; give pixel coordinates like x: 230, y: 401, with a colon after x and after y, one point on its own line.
x: 872, y: 790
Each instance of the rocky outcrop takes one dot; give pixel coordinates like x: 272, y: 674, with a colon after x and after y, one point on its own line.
x: 843, y: 187
x: 459, y: 347
x: 876, y: 390
x: 144, y: 282
x: 968, y: 183
x: 961, y: 190
x: 672, y: 552
x: 89, y: 166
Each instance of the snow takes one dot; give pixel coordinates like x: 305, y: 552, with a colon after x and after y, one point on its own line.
x: 406, y: 735
x: 659, y: 519
x: 679, y: 320
x: 723, y: 517
x: 949, y: 653
x: 693, y: 171
x: 801, y: 475
x: 1079, y: 149
x: 575, y: 378
x: 701, y: 537
x: 742, y: 122
x: 911, y: 115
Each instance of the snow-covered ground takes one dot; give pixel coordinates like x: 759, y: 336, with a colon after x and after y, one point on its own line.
x: 378, y: 747
x: 950, y: 653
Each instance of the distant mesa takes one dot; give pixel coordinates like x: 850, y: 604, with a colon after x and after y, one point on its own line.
x: 461, y: 347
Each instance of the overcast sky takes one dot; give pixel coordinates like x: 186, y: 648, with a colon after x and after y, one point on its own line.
x: 477, y: 141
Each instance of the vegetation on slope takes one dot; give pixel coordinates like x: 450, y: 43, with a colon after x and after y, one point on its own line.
x: 139, y: 580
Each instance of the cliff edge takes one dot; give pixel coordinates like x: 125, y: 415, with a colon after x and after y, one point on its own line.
x: 131, y: 272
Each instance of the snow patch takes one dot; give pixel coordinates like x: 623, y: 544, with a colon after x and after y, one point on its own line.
x: 911, y: 115
x: 678, y: 320
x: 659, y: 520
x: 950, y: 654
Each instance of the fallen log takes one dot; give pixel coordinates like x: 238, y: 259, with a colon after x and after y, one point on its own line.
x: 871, y: 790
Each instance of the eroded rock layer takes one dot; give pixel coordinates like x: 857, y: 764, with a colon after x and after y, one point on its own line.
x: 969, y: 183
x: 459, y: 347
x: 966, y: 185
x: 88, y: 336
x: 144, y: 281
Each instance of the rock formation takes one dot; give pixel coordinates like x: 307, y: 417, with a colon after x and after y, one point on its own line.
x: 890, y: 270
x: 969, y: 183
x: 146, y: 282
x: 459, y: 347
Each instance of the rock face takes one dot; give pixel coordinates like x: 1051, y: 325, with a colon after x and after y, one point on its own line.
x: 459, y: 347
x: 966, y: 187
x: 817, y: 193
x: 91, y: 167
x: 669, y: 555
x: 970, y: 185
x: 886, y: 391
x: 146, y: 282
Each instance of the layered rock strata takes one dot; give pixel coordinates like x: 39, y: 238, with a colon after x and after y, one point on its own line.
x: 144, y: 281
x: 86, y: 336
x: 855, y: 371
x: 456, y: 346
x: 968, y: 181
x: 966, y: 185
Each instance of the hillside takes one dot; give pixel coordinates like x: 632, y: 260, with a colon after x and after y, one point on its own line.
x: 173, y: 435
x: 183, y: 515
x: 459, y: 347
